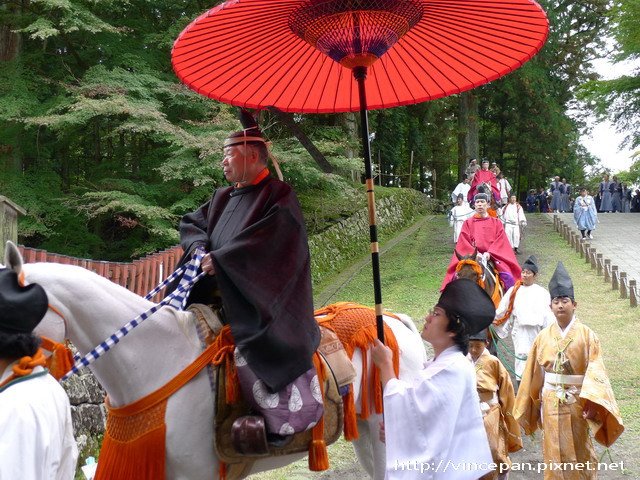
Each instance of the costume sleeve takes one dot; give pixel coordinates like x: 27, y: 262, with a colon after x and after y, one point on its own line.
x: 522, y: 218
x: 418, y: 417
x: 504, y: 329
x: 193, y: 229
x: 593, y: 210
x: 607, y: 425
x: 527, y: 407
x: 18, y: 429
x: 507, y: 400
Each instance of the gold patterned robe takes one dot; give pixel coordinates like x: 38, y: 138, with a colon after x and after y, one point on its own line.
x: 565, y: 432
x: 496, y: 402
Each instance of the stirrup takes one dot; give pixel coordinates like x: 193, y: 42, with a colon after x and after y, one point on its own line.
x: 248, y: 435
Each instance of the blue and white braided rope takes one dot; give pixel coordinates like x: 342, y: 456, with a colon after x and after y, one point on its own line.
x: 176, y: 299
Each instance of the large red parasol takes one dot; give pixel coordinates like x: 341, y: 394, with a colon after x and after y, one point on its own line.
x: 321, y: 56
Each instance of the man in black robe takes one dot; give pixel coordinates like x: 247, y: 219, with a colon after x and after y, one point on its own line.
x: 258, y: 263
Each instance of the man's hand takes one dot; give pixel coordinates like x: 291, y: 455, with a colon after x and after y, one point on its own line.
x: 589, y: 410
x: 382, y: 357
x: 207, y: 265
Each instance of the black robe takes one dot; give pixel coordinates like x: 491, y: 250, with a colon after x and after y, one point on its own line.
x: 258, y: 242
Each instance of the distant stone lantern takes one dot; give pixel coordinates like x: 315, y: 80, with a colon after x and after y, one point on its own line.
x: 9, y: 212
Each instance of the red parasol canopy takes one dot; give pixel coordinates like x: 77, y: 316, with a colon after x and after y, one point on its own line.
x: 296, y: 55
x: 257, y: 53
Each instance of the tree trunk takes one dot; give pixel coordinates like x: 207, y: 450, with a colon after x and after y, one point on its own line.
x: 468, y: 143
x: 306, y: 142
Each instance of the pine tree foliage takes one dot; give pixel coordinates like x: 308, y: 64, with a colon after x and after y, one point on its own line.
x: 106, y: 149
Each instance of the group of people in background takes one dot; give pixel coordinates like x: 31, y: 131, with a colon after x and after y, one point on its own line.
x: 557, y: 360
x: 502, y: 202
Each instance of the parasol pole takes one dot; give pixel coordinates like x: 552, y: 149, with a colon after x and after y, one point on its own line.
x: 360, y: 74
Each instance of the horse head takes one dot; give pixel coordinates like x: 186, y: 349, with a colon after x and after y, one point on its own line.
x: 468, y: 267
x: 52, y: 325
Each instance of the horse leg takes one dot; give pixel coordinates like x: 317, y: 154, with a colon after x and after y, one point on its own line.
x: 370, y: 451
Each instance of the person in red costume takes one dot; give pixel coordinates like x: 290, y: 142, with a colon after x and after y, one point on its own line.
x: 482, y: 176
x: 486, y: 234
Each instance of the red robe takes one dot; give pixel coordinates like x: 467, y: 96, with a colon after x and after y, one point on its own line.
x: 484, y: 176
x: 487, y: 234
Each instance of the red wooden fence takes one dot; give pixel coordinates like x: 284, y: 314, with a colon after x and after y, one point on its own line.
x: 140, y: 276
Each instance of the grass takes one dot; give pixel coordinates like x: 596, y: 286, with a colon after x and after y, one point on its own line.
x: 411, y: 275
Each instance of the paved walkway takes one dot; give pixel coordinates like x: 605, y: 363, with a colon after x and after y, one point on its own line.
x: 616, y: 237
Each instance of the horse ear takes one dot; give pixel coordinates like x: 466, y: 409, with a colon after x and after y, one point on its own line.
x: 457, y: 254
x: 12, y: 257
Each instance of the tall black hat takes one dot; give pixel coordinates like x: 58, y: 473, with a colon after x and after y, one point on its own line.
x: 480, y: 195
x: 531, y: 263
x: 250, y: 134
x: 560, y: 284
x: 21, y: 308
x: 464, y: 300
x: 481, y: 335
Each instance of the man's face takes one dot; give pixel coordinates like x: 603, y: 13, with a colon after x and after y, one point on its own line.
x: 583, y: 193
x: 563, y: 308
x: 528, y: 277
x: 481, y: 206
x: 476, y: 347
x: 512, y: 199
x: 235, y: 164
x: 485, y: 166
x: 459, y: 201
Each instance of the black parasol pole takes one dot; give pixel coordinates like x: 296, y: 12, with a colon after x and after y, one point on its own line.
x: 360, y: 74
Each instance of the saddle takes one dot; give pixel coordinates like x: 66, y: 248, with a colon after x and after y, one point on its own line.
x: 239, y: 435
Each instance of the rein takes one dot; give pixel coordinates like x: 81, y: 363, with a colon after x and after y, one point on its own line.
x: 177, y: 299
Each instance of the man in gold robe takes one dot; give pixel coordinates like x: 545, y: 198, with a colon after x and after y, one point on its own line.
x: 495, y: 390
x: 565, y: 390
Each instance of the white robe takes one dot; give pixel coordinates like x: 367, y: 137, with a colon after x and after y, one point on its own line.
x: 433, y: 426
x: 512, y: 215
x: 458, y: 215
x: 461, y: 188
x: 531, y: 313
x: 36, y: 435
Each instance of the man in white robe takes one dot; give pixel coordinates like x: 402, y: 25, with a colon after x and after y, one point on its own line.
x: 36, y: 435
x: 433, y: 425
x: 459, y: 213
x: 529, y: 313
x: 461, y: 189
x: 512, y: 215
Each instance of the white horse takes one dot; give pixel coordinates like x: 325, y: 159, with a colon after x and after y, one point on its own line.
x: 92, y: 308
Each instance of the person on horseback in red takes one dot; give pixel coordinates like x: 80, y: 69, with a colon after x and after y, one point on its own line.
x: 485, y: 234
x: 484, y: 178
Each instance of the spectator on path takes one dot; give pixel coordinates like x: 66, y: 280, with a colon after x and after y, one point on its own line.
x: 626, y: 198
x: 565, y: 389
x: 597, y: 199
x: 461, y: 189
x: 486, y: 177
x: 557, y: 190
x: 495, y: 169
x: 512, y: 216
x: 543, y: 201
x: 524, y: 311
x: 36, y: 434
x: 532, y: 201
x: 458, y: 215
x: 605, y: 194
x: 435, y: 418
x: 635, y: 202
x: 566, y: 196
x: 616, y: 195
x: 472, y: 169
x: 504, y: 187
x: 485, y: 234
x: 495, y: 392
x: 585, y: 213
